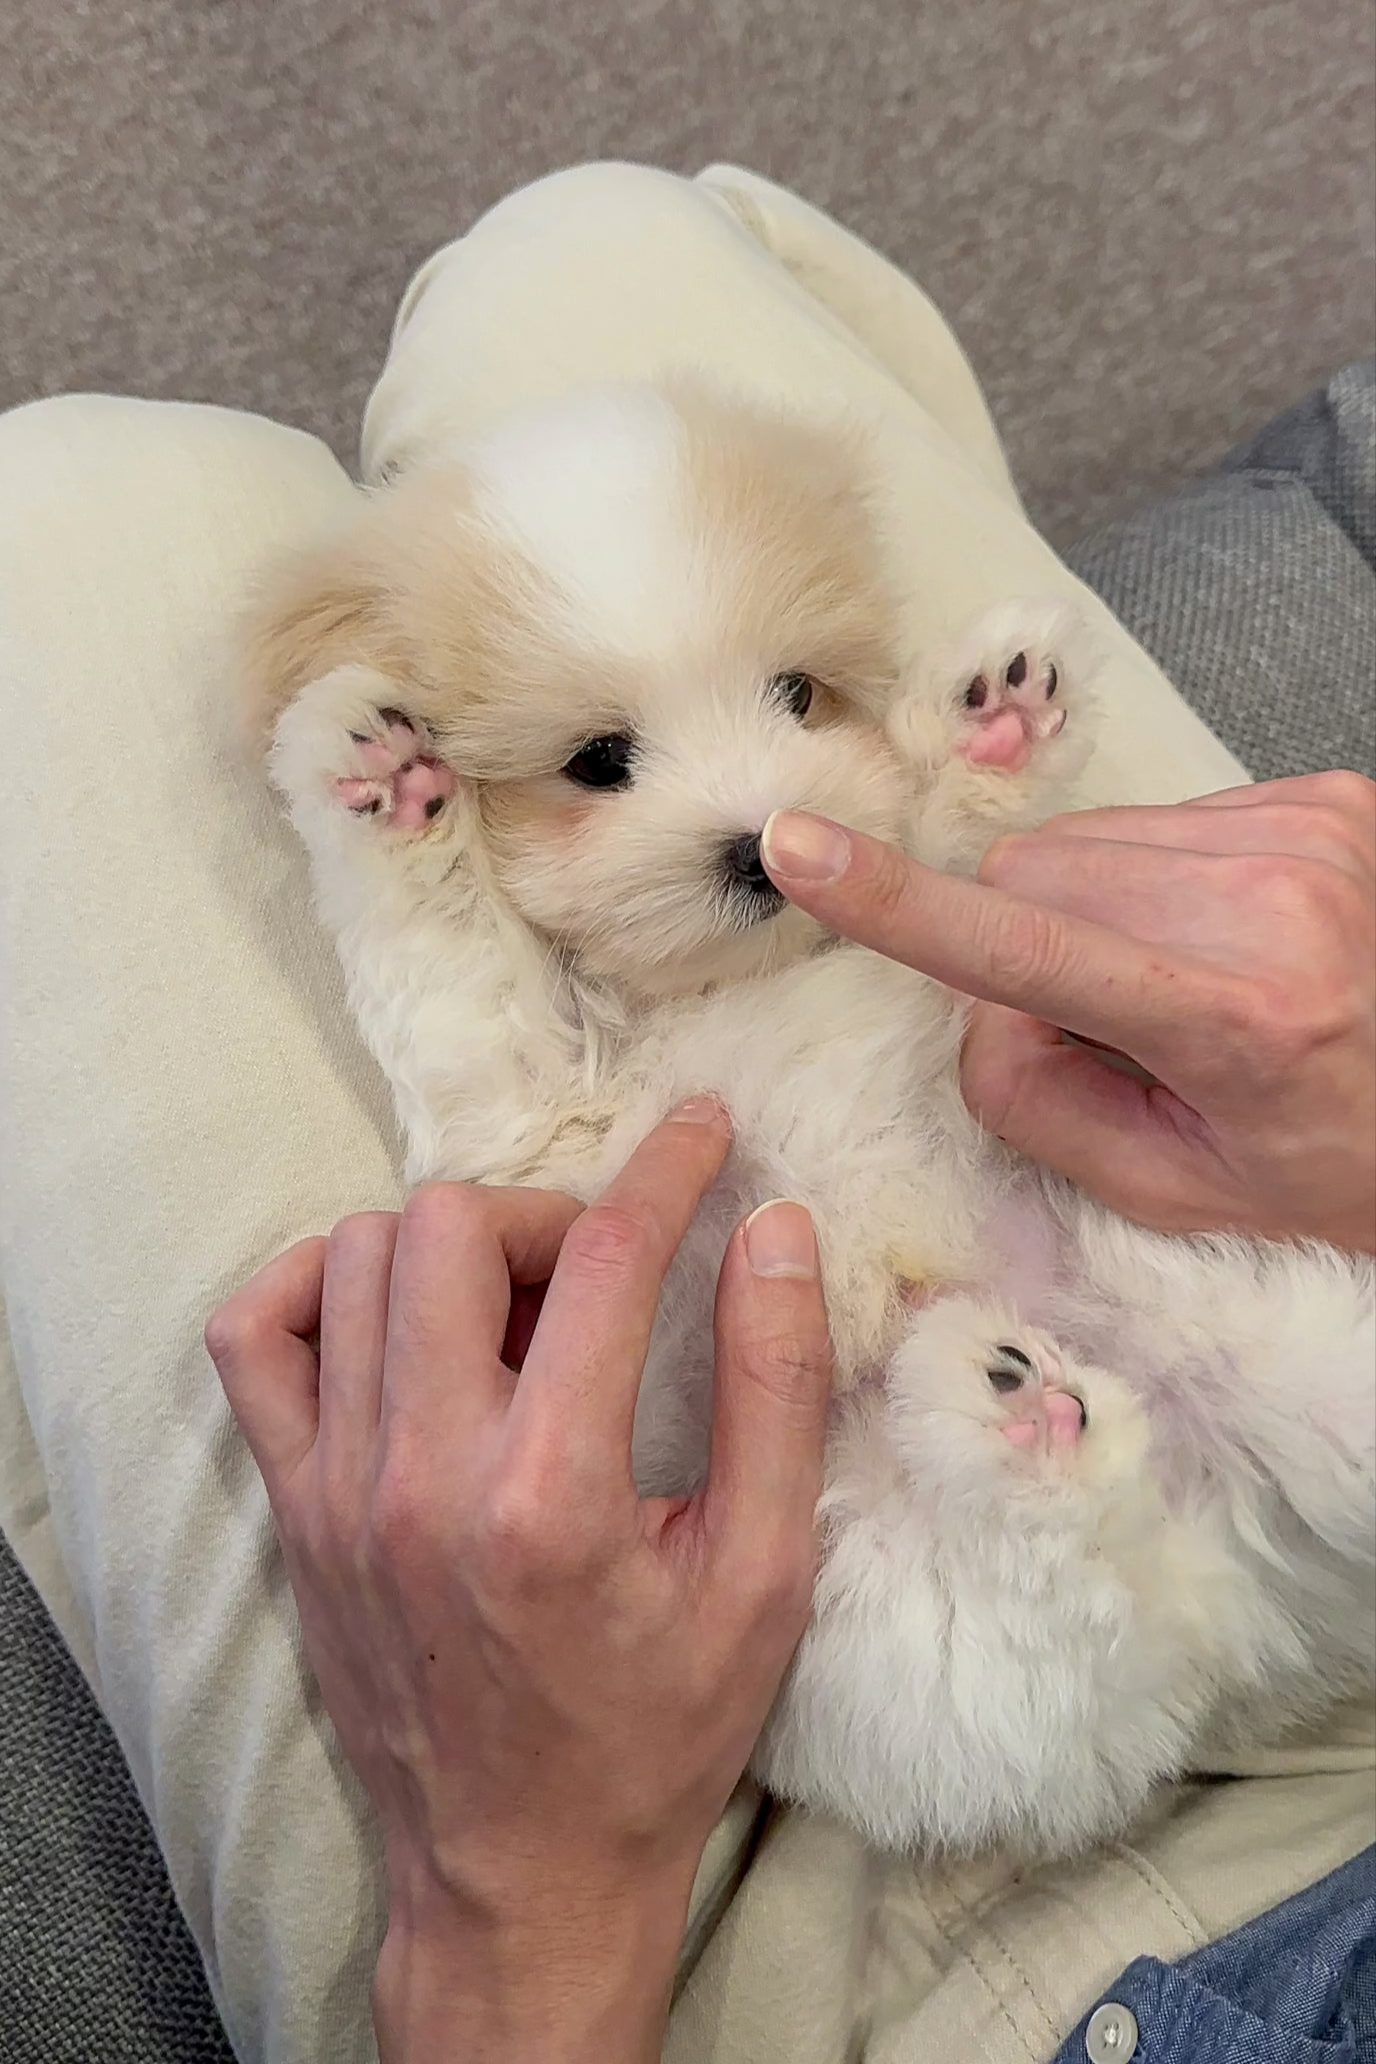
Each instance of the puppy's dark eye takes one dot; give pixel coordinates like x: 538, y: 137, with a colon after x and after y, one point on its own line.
x: 794, y: 692
x: 603, y: 762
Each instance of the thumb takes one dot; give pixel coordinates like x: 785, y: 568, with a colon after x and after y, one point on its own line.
x: 1115, y: 1132
x: 773, y: 1383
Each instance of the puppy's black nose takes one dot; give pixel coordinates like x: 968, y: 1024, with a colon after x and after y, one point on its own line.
x: 744, y: 865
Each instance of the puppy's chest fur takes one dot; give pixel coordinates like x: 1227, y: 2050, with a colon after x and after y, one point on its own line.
x: 840, y: 1075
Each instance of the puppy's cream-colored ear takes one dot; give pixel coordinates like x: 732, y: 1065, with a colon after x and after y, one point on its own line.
x: 327, y: 607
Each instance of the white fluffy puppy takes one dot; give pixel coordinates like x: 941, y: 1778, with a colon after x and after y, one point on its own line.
x: 1091, y: 1493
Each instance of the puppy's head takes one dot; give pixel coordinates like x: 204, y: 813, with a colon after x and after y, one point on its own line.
x: 635, y: 623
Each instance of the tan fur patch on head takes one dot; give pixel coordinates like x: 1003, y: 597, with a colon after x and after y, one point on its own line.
x: 417, y: 589
x: 425, y: 591
x: 785, y: 507
x: 473, y: 639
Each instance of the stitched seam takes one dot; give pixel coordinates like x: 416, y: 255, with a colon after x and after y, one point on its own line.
x: 1149, y: 1876
x: 1012, y: 1964
x: 971, y: 1963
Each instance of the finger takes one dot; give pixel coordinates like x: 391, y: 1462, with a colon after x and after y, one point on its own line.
x: 582, y: 1373
x: 1288, y: 826
x: 1132, y: 1144
x: 1141, y: 889
x: 772, y: 1386
x: 353, y: 1337
x: 1215, y: 906
x: 990, y: 944
x: 459, y: 1250
x: 261, y: 1342
x: 1244, y: 796
x: 1340, y: 788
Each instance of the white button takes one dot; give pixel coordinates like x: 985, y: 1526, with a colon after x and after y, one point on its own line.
x: 1111, y: 2037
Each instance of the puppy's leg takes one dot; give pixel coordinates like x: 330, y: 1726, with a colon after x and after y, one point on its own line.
x: 1012, y: 1637
x: 452, y: 994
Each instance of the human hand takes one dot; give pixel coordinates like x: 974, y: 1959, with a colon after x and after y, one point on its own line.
x: 548, y: 1685
x: 1227, y: 946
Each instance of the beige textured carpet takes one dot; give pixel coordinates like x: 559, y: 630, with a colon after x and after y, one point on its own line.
x: 1150, y: 220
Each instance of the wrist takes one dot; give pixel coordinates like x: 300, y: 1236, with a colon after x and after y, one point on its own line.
x: 567, y: 1977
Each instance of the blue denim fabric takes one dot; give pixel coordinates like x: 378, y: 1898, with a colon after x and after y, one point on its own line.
x: 1296, y: 1986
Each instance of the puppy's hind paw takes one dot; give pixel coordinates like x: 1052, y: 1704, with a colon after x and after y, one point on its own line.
x: 1039, y: 1412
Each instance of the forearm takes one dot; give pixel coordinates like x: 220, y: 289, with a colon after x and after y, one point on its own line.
x: 574, y: 1983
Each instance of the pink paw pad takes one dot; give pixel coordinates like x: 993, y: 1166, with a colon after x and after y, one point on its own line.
x: 1041, y: 1415
x: 399, y: 782
x: 1011, y: 711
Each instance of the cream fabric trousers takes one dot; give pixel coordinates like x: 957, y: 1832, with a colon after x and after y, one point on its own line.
x: 181, y: 1095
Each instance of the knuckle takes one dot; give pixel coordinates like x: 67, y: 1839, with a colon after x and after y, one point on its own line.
x: 440, y: 1211
x: 1254, y: 876
x: 1332, y: 816
x: 239, y: 1331
x: 362, y: 1230
x: 1344, y: 790
x: 1312, y: 901
x: 792, y: 1371
x: 1000, y: 863
x: 1028, y: 945
x: 1345, y: 920
x: 1298, y: 1019
x: 1300, y: 890
x: 521, y: 1531
x: 224, y: 1333
x: 888, y: 888
x: 605, y: 1243
x: 1278, y: 1026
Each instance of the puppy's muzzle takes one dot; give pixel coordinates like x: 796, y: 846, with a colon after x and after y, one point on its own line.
x: 744, y: 876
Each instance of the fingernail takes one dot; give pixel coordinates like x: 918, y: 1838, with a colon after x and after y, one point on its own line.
x: 700, y: 1110
x: 808, y: 848
x: 779, y: 1241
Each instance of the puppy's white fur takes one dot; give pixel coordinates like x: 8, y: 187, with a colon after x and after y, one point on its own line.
x: 1011, y: 1643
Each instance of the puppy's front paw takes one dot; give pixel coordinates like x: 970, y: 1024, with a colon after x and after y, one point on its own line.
x: 341, y: 747
x: 1010, y: 707
x: 396, y: 780
x: 996, y: 727
x: 1012, y: 686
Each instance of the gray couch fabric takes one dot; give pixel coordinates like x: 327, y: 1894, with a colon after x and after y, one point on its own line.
x: 1254, y: 590
x: 1152, y: 222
